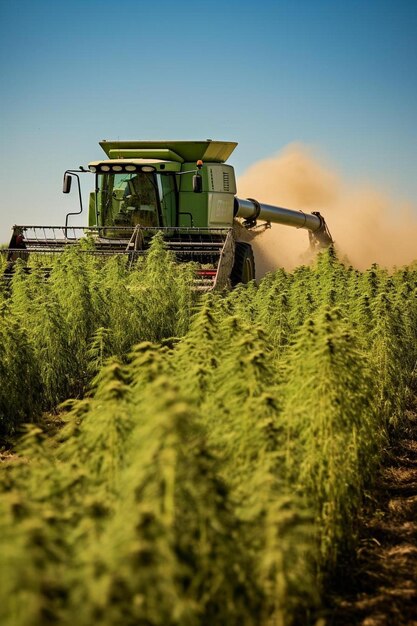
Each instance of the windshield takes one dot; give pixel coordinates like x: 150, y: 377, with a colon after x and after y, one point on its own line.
x: 129, y: 199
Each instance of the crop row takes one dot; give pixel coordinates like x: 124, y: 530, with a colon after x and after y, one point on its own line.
x: 213, y: 472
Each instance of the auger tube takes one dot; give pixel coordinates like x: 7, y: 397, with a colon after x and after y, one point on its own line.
x: 252, y: 210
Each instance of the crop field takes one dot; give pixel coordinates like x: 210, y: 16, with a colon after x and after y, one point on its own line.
x: 186, y: 459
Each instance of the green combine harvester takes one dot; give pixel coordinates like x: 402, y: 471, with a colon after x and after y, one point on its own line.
x: 183, y: 189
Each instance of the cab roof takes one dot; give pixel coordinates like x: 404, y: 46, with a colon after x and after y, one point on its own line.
x: 188, y: 151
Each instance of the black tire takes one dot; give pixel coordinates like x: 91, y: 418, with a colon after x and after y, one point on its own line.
x: 244, y: 266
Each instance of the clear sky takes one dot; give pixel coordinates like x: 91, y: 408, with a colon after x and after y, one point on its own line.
x: 340, y: 76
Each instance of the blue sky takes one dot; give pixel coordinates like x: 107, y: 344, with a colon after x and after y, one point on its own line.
x: 339, y: 76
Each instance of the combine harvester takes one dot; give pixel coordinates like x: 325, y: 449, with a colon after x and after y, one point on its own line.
x: 184, y: 189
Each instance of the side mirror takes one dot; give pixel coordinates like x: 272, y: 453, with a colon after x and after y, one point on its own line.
x: 66, y: 187
x: 197, y: 183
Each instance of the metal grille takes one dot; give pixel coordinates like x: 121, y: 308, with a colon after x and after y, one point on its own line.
x: 212, y: 179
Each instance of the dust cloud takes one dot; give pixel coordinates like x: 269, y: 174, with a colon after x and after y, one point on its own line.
x: 367, y: 226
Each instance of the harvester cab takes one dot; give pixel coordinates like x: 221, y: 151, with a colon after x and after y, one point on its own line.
x: 184, y: 189
x: 166, y: 182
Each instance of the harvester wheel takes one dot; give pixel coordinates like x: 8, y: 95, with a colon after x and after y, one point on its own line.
x: 244, y: 267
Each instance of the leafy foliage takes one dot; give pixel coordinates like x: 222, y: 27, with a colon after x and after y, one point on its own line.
x: 216, y: 449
